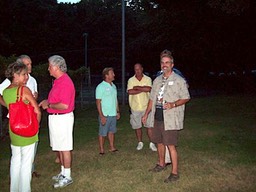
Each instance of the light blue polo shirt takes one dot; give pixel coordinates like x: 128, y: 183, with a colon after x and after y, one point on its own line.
x: 107, y: 93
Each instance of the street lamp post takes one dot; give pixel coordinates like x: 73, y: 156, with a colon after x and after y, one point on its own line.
x: 123, y: 52
x: 86, y: 58
x: 85, y: 49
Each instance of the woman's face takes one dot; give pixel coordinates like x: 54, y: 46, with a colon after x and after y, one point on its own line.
x: 21, y: 78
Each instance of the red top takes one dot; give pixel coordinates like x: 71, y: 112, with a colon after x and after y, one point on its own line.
x: 63, y: 91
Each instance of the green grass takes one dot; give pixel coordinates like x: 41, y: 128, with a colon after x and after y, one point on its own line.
x: 217, y: 152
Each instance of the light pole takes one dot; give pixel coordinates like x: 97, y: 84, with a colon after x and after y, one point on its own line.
x: 85, y: 49
x: 123, y: 52
x: 86, y: 58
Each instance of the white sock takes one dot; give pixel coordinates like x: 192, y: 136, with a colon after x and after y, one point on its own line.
x: 62, y: 170
x: 67, y: 172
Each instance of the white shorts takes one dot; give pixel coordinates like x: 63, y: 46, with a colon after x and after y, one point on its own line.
x: 135, y: 119
x: 61, y: 131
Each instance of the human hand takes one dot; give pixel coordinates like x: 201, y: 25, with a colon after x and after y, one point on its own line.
x: 118, y: 116
x: 44, y: 104
x: 144, y: 119
x: 103, y: 120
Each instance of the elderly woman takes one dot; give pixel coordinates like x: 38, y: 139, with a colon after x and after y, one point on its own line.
x: 22, y: 148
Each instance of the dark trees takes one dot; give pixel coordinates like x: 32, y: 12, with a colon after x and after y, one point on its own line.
x: 204, y: 36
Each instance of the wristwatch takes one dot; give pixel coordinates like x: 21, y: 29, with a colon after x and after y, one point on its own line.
x: 174, y: 105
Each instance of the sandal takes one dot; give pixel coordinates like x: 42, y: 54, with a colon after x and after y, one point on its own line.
x: 171, y: 178
x: 113, y: 151
x: 157, y: 168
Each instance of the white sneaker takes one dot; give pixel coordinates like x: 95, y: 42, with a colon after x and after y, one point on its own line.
x: 152, y: 146
x: 58, y: 177
x: 139, y: 146
x: 63, y: 182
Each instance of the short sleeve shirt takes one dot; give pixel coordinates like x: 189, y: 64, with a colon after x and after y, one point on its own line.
x: 4, y: 85
x: 107, y: 93
x: 175, y: 88
x: 32, y: 84
x: 139, y: 101
x: 63, y: 91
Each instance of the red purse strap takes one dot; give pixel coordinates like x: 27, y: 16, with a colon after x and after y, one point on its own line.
x: 19, y: 97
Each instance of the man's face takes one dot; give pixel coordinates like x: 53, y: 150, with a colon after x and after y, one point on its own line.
x: 166, y: 65
x: 28, y: 63
x: 111, y: 75
x: 138, y: 70
x: 51, y: 69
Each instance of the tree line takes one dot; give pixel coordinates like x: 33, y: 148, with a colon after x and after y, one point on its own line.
x: 204, y: 35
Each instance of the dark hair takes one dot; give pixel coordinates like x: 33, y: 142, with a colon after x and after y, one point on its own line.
x: 15, y: 67
x: 138, y: 64
x: 106, y: 71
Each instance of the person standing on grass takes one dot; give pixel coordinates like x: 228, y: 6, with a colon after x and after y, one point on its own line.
x: 60, y: 106
x: 22, y: 148
x: 138, y: 88
x: 32, y: 85
x: 108, y: 109
x: 168, y: 96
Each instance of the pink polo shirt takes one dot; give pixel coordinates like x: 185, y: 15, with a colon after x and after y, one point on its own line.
x: 63, y: 91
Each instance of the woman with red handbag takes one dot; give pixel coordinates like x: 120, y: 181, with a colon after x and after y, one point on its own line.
x: 22, y: 147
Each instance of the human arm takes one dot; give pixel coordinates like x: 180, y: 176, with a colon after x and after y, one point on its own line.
x: 149, y: 108
x: 27, y: 96
x: 179, y: 102
x: 3, y: 86
x: 103, y: 119
x: 139, y: 89
x: 35, y: 95
x: 2, y: 101
x: 58, y: 106
x: 117, y: 111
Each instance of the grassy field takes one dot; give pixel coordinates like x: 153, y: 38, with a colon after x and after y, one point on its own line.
x: 217, y: 152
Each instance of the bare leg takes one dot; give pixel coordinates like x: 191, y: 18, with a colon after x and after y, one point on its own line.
x: 57, y: 160
x: 66, y: 161
x: 67, y: 158
x: 161, y: 154
x: 149, y: 133
x: 101, y: 143
x: 174, y: 157
x: 139, y: 134
x: 111, y: 138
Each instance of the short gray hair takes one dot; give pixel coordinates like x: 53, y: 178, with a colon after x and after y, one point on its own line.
x: 59, y: 61
x: 21, y: 57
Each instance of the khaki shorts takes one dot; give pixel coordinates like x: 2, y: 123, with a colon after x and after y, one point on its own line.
x: 159, y: 135
x: 61, y: 131
x: 135, y: 119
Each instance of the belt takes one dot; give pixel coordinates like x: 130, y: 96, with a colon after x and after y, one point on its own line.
x: 57, y: 113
